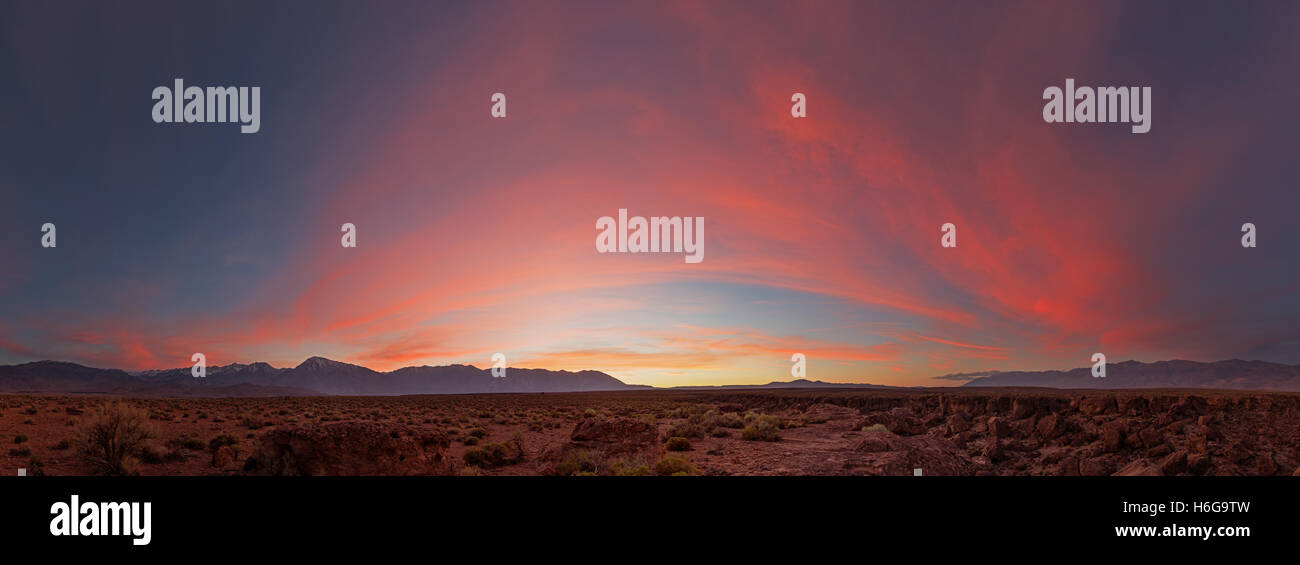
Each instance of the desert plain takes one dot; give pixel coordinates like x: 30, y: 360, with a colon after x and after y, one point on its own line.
x: 984, y: 431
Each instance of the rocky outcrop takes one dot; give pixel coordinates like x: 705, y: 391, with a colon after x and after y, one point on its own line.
x: 885, y: 453
x: 1093, y: 432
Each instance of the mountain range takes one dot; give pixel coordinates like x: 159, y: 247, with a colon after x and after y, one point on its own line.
x: 1232, y: 374
x: 315, y: 376
x: 321, y: 376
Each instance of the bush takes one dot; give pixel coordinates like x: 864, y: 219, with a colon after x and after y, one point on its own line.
x: 724, y: 420
x: 580, y: 462
x: 113, y: 437
x: 221, y: 441
x: 495, y: 454
x: 626, y: 468
x: 678, y: 444
x: 20, y: 438
x: 764, y: 428
x: 687, y: 430
x: 674, y: 466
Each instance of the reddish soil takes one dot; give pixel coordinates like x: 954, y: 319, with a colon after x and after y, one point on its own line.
x: 760, y: 432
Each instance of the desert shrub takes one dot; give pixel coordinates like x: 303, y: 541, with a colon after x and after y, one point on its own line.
x: 875, y: 428
x: 112, y: 439
x: 724, y: 420
x: 494, y: 455
x: 763, y: 428
x: 686, y: 411
x: 629, y: 468
x: 221, y: 441
x: 675, y: 466
x: 63, y: 444
x: 478, y: 433
x: 20, y: 452
x: 687, y: 430
x: 470, y: 440
x: 678, y: 444
x: 580, y: 462
x: 20, y: 438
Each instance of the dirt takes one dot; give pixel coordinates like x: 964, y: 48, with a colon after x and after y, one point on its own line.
x: 770, y: 432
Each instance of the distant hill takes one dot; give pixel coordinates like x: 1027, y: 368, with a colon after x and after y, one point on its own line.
x: 61, y: 377
x: 797, y: 383
x: 314, y: 376
x: 1232, y: 374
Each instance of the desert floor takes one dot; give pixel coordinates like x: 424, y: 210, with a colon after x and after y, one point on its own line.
x: 747, y: 432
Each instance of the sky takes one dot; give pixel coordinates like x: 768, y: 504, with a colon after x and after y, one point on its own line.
x: 475, y: 234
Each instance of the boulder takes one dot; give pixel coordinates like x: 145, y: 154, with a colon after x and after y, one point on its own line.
x: 1198, y: 463
x: 1174, y: 463
x: 1139, y: 468
x: 1022, y: 408
x: 1112, y: 435
x: 1151, y: 437
x: 1265, y: 465
x: 992, y: 451
x: 1050, y: 426
x: 997, y: 427
x: 1068, y: 467
x: 958, y: 423
x: 1095, y: 467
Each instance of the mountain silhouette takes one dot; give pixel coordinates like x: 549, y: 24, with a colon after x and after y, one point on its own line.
x: 1231, y: 374
x: 316, y: 375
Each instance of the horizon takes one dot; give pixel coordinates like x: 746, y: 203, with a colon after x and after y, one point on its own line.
x: 818, y: 235
x: 958, y: 379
